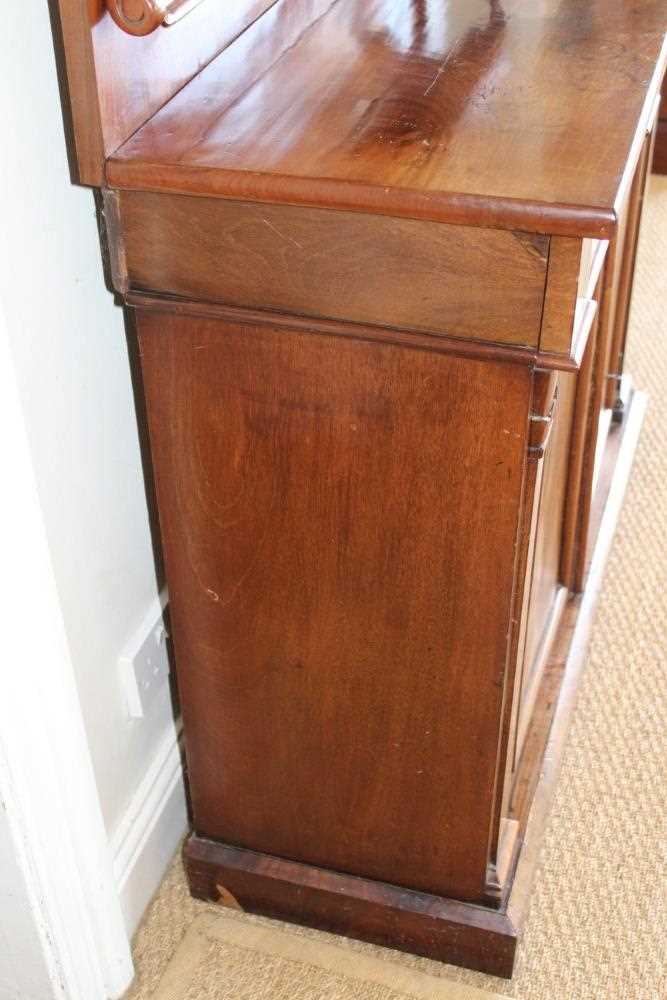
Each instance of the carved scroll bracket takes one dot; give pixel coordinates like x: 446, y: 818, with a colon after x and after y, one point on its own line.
x: 141, y: 17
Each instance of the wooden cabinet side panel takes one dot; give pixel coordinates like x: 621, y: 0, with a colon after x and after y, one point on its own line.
x: 339, y: 521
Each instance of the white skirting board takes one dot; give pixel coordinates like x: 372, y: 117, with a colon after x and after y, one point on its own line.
x: 150, y: 831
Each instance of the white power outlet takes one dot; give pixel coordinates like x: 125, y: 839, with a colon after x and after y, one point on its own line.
x: 144, y: 664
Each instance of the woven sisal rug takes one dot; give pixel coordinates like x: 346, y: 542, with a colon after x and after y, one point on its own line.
x: 224, y: 957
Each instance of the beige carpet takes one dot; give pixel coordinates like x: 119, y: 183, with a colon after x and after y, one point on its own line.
x: 597, y: 927
x: 223, y: 957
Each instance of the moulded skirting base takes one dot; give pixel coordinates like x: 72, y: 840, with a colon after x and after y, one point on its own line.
x: 150, y: 831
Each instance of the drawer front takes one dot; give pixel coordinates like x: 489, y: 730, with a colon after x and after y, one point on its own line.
x: 486, y: 285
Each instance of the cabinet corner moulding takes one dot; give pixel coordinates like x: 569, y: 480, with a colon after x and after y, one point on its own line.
x: 141, y: 17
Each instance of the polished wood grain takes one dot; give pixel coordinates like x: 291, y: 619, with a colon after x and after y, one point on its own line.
x: 326, y: 590
x: 341, y: 265
x: 522, y: 116
x: 117, y: 81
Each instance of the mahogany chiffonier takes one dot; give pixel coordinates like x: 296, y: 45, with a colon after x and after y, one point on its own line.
x: 380, y: 256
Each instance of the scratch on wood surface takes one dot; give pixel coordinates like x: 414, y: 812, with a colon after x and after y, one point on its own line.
x: 441, y: 68
x: 282, y: 235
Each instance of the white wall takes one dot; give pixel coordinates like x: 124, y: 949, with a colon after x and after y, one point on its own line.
x: 62, y: 932
x: 23, y: 971
x: 68, y: 344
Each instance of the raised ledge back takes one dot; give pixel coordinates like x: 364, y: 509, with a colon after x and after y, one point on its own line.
x: 117, y: 81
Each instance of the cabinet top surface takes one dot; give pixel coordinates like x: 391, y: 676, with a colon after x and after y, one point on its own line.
x: 491, y: 112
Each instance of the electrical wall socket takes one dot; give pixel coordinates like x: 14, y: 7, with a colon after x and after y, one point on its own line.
x: 144, y: 664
